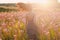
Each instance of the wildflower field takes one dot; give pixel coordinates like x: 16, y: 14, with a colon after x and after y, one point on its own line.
x: 35, y: 24
x: 13, y: 27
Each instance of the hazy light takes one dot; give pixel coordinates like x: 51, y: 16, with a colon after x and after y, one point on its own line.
x: 24, y: 1
x: 43, y: 1
x: 58, y: 1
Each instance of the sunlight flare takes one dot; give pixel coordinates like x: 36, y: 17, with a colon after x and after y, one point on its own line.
x: 58, y: 1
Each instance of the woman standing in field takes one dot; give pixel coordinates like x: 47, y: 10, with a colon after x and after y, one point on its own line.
x: 31, y: 28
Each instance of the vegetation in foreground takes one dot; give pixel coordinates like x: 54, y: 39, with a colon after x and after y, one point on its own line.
x: 12, y: 27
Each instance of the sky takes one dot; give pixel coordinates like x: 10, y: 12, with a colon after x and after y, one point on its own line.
x: 24, y: 1
x: 15, y: 1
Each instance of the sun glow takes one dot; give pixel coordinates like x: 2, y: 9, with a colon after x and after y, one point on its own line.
x: 58, y: 1
x: 43, y: 1
x: 45, y: 4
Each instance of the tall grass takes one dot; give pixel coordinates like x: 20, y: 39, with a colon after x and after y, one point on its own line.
x: 13, y: 28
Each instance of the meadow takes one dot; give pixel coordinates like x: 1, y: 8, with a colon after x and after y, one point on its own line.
x: 13, y: 25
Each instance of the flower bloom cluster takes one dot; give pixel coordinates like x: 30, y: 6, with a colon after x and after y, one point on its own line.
x: 12, y: 26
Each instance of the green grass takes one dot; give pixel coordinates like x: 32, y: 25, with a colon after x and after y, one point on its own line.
x: 6, y: 10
